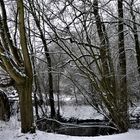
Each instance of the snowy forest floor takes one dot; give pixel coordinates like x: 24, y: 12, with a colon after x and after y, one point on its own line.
x: 11, y: 131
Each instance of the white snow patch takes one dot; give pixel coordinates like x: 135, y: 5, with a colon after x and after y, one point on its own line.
x: 80, y: 112
x: 11, y: 131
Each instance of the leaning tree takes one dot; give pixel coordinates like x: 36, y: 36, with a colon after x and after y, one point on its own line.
x: 79, y: 29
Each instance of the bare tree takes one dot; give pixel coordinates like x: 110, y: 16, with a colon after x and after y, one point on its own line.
x: 81, y: 29
x: 135, y: 33
x: 34, y: 12
x: 87, y: 55
x: 17, y: 64
x: 122, y: 95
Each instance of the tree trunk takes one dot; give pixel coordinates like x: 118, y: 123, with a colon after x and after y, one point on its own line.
x: 26, y: 110
x: 108, y: 75
x: 115, y: 101
x: 50, y: 76
x: 122, y: 97
x: 136, y: 36
x: 19, y: 71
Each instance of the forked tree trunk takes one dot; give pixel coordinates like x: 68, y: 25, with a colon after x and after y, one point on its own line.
x: 19, y: 71
x: 26, y: 110
x: 25, y: 87
x: 115, y: 99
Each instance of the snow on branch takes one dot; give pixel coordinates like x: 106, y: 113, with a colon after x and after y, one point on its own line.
x: 16, y: 74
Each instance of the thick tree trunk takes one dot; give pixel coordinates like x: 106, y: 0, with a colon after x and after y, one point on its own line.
x: 19, y: 71
x: 122, y: 97
x: 26, y: 109
x: 25, y: 87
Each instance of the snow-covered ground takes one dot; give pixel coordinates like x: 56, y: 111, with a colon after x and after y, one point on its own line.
x: 11, y: 131
x: 80, y: 112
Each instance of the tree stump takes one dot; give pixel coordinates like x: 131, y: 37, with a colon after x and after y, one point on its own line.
x: 4, y: 107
